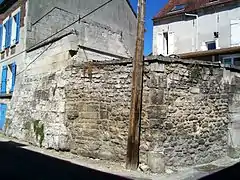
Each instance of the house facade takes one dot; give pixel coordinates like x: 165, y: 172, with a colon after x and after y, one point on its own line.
x: 12, y: 46
x: 41, y: 38
x: 185, y: 26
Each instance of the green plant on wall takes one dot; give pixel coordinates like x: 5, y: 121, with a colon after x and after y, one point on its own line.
x: 38, y: 129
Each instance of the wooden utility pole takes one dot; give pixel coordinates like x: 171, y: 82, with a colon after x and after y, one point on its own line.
x: 137, y: 86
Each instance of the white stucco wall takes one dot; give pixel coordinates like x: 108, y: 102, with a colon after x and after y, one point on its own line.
x: 185, y: 29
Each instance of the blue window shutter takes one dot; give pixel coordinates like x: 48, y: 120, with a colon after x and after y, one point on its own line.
x: 9, y: 32
x: 1, y: 35
x: 8, y: 26
x: 6, y: 34
x: 4, y: 80
x: 18, y: 21
x: 3, y: 110
x: 14, y: 68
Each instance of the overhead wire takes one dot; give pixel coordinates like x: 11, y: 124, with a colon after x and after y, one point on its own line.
x: 69, y: 25
x: 34, y: 59
x: 80, y: 18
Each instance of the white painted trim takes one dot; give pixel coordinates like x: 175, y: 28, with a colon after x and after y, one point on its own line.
x: 4, y: 33
x: 5, y: 20
x: 16, y: 11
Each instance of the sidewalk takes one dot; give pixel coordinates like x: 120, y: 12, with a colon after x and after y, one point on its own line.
x: 190, y: 173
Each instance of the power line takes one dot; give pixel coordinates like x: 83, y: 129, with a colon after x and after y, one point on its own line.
x: 78, y: 20
x: 34, y: 59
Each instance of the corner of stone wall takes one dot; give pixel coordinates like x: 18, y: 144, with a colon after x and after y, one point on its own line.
x: 233, y: 79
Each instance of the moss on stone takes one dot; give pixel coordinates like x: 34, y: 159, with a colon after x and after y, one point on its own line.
x: 38, y: 129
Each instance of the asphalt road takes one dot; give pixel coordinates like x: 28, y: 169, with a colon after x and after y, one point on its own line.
x: 230, y: 173
x: 18, y: 163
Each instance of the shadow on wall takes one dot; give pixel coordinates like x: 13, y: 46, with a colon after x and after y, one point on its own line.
x: 18, y: 163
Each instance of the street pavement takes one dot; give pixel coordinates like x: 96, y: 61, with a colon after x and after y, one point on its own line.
x: 17, y: 163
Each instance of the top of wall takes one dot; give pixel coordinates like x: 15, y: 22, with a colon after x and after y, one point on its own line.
x: 159, y: 59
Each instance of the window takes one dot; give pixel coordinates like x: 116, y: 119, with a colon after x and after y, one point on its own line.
x: 3, y: 109
x: 4, y: 80
x: 236, y: 61
x: 178, y: 7
x: 15, y: 28
x: 211, y: 45
x: 227, y: 61
x: 8, y: 78
x: 231, y: 60
x: 1, y: 33
x: 10, y: 30
x: 165, y: 43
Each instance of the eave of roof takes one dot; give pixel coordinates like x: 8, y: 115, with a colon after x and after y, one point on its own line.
x: 222, y: 51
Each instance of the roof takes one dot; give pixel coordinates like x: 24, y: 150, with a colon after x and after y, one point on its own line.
x: 176, y: 7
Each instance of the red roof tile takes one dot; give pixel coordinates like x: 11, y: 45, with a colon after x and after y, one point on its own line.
x: 191, y: 5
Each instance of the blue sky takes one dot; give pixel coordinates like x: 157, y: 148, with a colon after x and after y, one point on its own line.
x: 152, y: 8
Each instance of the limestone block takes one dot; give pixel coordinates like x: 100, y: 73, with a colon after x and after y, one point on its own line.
x: 156, y: 162
x: 195, y: 90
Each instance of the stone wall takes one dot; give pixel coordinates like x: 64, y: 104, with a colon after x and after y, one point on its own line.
x: 85, y: 109
x: 97, y: 109
x: 185, y: 111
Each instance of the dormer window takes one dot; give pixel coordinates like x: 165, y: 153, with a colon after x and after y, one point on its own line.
x: 178, y: 7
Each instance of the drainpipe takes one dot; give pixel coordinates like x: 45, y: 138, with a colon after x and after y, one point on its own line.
x: 196, y: 16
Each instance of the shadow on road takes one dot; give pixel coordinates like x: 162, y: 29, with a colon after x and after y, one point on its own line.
x: 232, y: 172
x: 18, y: 163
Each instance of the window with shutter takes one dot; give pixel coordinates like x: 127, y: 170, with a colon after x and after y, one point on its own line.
x: 1, y: 33
x: 9, y: 33
x: 18, y: 23
x: 171, y: 47
x: 14, y: 31
x: 159, y: 43
x: 3, y: 109
x: 15, y: 28
x: 4, y: 80
x: 5, y: 35
x: 8, y: 30
x: 13, y: 68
